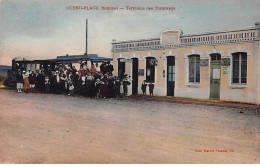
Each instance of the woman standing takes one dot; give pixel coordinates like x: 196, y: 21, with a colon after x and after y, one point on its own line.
x: 104, y: 86
x: 26, y: 81
x: 32, y: 79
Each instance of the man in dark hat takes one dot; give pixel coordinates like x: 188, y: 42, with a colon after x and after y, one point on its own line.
x: 151, y: 88
x: 143, y: 87
x: 110, y: 86
x: 103, y: 68
x: 109, y: 67
x: 117, y: 87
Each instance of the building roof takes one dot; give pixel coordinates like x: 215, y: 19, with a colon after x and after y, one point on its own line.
x: 192, y: 35
x: 137, y: 40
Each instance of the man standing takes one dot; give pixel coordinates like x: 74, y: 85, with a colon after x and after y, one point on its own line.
x: 143, y: 87
x: 109, y: 68
x: 126, y: 82
x: 117, y: 87
x: 151, y: 88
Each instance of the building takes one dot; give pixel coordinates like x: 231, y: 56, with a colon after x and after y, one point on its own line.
x: 221, y: 65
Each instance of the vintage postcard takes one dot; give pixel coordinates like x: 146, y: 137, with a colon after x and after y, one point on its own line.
x: 129, y: 82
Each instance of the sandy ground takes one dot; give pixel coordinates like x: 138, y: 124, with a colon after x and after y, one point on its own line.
x: 40, y: 128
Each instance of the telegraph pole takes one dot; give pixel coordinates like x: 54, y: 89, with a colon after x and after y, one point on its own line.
x: 86, y: 53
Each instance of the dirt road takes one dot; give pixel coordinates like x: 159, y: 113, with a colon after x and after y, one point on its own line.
x: 40, y: 128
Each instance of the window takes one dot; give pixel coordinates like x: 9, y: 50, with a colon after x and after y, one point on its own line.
x: 239, y: 70
x: 171, y: 73
x: 215, y: 57
x: 150, y: 69
x: 194, y: 68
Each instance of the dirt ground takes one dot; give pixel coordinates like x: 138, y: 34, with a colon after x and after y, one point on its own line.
x: 40, y: 128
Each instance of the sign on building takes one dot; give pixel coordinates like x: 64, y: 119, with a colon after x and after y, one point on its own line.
x: 204, y: 62
x: 141, y: 72
x: 216, y: 73
x: 225, y: 69
x: 225, y: 61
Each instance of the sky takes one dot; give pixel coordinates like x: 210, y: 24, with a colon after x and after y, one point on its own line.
x: 40, y: 29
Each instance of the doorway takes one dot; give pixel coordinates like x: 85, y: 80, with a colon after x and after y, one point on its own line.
x: 215, y: 75
x: 170, y: 75
x: 134, y: 76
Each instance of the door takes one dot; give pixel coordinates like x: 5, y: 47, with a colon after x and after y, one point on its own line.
x: 134, y: 76
x: 170, y: 75
x: 215, y: 76
x: 121, y: 68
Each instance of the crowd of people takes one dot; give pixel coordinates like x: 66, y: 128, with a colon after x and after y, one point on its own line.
x: 67, y: 79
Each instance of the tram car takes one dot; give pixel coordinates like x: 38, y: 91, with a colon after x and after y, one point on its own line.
x: 22, y: 64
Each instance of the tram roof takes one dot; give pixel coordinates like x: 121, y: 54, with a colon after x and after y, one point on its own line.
x: 68, y: 59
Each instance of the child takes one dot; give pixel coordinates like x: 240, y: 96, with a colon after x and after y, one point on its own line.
x: 47, y: 84
x: 71, y: 87
x: 143, y: 87
x: 151, y: 87
x: 98, y: 85
x: 83, y: 80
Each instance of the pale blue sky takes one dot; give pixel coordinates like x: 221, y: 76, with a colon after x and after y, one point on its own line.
x: 45, y: 29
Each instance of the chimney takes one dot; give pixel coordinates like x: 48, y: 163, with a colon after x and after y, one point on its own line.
x: 86, y: 53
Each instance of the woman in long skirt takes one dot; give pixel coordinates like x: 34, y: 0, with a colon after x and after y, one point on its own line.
x: 26, y: 81
x: 104, y: 87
